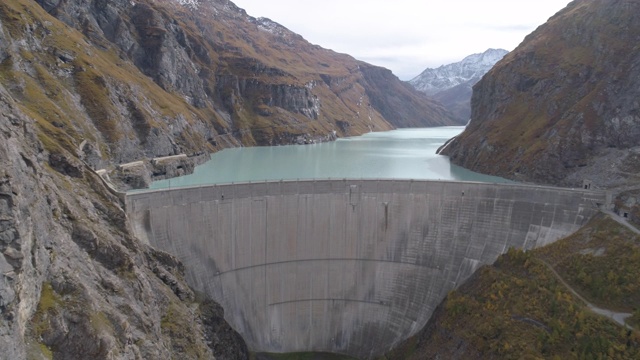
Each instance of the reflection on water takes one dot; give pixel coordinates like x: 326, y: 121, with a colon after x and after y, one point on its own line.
x: 397, y: 154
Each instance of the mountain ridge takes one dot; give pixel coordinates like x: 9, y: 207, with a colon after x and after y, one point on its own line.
x: 452, y: 84
x: 434, y: 80
x: 250, y: 80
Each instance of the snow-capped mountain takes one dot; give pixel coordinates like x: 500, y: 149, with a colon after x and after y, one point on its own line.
x: 433, y: 81
x: 452, y: 84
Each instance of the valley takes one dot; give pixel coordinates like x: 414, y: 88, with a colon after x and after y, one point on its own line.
x: 391, y: 269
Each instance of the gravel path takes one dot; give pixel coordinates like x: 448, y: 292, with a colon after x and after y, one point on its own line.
x: 619, y: 317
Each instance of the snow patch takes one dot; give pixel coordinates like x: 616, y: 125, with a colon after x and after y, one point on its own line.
x: 270, y: 26
x: 267, y: 25
x: 193, y: 4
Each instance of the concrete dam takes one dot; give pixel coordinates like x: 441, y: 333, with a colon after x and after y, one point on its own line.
x: 346, y: 266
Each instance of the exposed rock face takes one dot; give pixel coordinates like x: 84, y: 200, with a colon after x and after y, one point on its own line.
x: 74, y: 283
x: 452, y: 84
x: 564, y: 105
x: 235, y: 79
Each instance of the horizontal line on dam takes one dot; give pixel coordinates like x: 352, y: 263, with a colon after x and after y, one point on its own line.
x: 220, y: 273
x: 379, y: 303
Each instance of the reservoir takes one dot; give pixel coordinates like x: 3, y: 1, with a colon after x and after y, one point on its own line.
x: 396, y: 154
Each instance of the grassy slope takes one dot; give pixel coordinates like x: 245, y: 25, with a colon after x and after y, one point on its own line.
x: 518, y: 309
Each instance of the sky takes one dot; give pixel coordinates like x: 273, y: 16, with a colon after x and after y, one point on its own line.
x: 408, y: 36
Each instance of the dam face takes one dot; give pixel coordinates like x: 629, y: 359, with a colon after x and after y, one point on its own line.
x: 344, y: 266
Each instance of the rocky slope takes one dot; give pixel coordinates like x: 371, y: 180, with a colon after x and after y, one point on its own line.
x: 452, y: 84
x: 74, y: 282
x: 164, y: 77
x: 563, y: 106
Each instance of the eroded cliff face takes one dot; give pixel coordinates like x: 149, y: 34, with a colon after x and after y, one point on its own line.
x: 74, y: 282
x: 563, y: 106
x: 400, y: 103
x: 188, y: 76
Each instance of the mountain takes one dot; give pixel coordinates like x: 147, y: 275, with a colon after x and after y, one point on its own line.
x: 74, y: 281
x: 208, y: 76
x: 563, y: 106
x: 91, y: 84
x: 452, y: 84
x: 445, y: 77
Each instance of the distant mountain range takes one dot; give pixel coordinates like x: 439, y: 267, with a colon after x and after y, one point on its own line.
x: 452, y: 84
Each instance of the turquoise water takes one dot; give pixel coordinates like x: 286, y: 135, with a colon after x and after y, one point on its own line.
x: 397, y: 154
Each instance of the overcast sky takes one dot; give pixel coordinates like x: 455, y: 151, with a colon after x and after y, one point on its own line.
x: 408, y: 36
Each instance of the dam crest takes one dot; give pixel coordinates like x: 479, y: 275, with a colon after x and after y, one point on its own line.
x: 346, y: 266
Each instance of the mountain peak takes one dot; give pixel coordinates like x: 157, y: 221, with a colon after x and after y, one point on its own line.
x: 432, y: 81
x: 452, y: 84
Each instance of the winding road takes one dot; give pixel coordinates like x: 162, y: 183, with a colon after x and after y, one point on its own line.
x: 619, y: 317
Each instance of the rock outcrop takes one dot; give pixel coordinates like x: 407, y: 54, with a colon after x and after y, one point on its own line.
x: 563, y: 106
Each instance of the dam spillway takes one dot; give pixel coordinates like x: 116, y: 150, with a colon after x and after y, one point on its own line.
x: 346, y: 266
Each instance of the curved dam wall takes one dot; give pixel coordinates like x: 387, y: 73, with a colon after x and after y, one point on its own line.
x: 345, y: 266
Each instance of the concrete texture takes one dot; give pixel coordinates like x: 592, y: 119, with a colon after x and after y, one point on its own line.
x: 346, y: 266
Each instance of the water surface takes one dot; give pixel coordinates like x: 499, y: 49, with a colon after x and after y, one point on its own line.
x: 396, y: 154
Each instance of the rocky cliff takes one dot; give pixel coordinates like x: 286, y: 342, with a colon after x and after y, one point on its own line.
x: 74, y: 282
x: 152, y: 78
x: 563, y: 106
x: 452, y: 84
